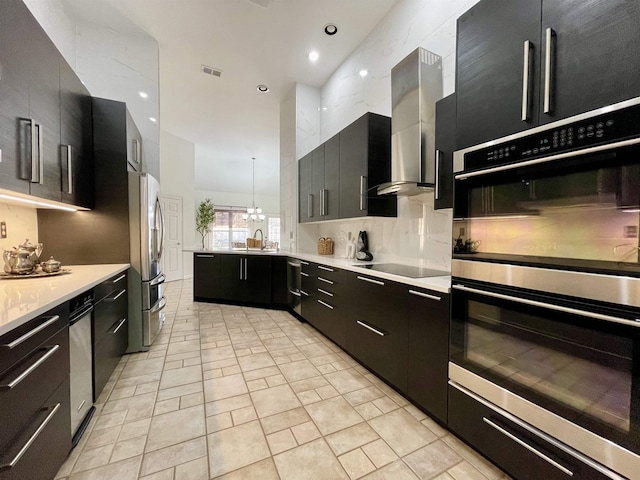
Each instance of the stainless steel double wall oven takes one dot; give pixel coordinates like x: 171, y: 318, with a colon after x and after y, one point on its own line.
x: 546, y: 288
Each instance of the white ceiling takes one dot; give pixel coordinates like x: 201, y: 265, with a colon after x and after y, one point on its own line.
x: 253, y: 42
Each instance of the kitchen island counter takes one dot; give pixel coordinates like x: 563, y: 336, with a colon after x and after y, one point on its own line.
x: 22, y: 299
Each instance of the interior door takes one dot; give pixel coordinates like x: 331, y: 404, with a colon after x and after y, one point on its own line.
x: 171, y: 259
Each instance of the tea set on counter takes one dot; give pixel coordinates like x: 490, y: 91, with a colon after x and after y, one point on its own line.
x: 24, y: 261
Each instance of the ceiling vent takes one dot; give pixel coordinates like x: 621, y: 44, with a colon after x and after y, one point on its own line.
x: 210, y: 71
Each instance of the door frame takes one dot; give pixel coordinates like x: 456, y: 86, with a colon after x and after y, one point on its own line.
x: 180, y: 270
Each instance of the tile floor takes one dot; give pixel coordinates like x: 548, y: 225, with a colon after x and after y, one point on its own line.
x: 245, y: 393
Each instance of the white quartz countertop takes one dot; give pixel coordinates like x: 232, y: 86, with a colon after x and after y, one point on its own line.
x: 440, y: 284
x: 22, y: 299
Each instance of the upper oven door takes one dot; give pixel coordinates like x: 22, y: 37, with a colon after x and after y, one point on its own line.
x: 579, y: 360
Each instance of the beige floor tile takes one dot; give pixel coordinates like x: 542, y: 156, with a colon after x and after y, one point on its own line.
x: 232, y: 370
x: 333, y: 414
x: 257, y: 384
x: 465, y: 471
x: 224, y: 387
x: 261, y: 373
x: 194, y: 470
x: 147, y: 388
x: 432, y: 460
x: 138, y: 379
x: 385, y: 404
x: 244, y: 415
x: 215, y: 423
x: 163, y: 475
x: 403, y: 433
x: 182, y: 347
x: 309, y: 384
x: 215, y: 354
x: 356, y: 464
x: 93, y: 458
x: 364, y: 395
x: 164, y: 458
x: 174, y: 392
x: 109, y: 420
x: 181, y: 376
x: 176, y: 427
x: 346, y: 381
x: 474, y: 458
x: 191, y: 400
x: 299, y: 370
x: 379, y: 453
x: 281, y: 441
x: 102, y: 437
x: 134, y: 429
x: 128, y: 448
x: 305, y: 432
x: 311, y: 461
x: 124, y: 470
x: 124, y: 392
x: 328, y: 391
x: 275, y: 380
x: 434, y: 427
x: 236, y: 447
x: 277, y: 343
x: 397, y: 470
x: 350, y: 438
x: 310, y: 396
x: 274, y: 400
x: 368, y: 411
x: 284, y: 420
x: 255, y: 361
x: 444, y: 476
x: 142, y: 367
x: 227, y: 404
x: 166, y: 406
x: 262, y: 470
x: 139, y: 404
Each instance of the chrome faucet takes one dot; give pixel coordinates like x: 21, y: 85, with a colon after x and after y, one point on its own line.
x: 261, y: 238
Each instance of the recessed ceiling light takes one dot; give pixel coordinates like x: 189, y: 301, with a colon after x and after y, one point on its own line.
x: 262, y: 88
x: 330, y: 29
x: 143, y: 95
x: 153, y: 120
x: 363, y: 73
x: 313, y: 56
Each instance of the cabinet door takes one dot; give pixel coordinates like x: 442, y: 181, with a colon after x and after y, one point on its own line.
x: 305, y: 189
x: 428, y: 350
x: 331, y: 197
x: 279, y: 289
x: 308, y: 291
x: 135, y: 155
x: 353, y: 169
x: 15, y: 28
x: 317, y: 182
x: 257, y: 279
x: 206, y: 276
x: 594, y: 52
x: 75, y: 139
x: 490, y: 67
x: 445, y: 146
x: 231, y: 277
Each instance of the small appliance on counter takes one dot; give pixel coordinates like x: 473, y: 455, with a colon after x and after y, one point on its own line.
x: 363, y: 252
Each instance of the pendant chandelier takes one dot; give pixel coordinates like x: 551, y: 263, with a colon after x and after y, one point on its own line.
x: 253, y: 213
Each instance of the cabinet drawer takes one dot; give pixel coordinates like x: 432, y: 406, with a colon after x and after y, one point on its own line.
x: 330, y: 273
x: 20, y: 341
x: 44, y: 441
x: 112, y: 286
x: 107, y: 355
x: 25, y: 387
x: 108, y: 313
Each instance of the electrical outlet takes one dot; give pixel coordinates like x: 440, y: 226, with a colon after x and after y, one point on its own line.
x: 462, y: 230
x: 631, y: 231
x: 3, y: 229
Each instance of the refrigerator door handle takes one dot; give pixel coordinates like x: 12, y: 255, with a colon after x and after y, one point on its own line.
x: 158, y: 280
x: 160, y: 216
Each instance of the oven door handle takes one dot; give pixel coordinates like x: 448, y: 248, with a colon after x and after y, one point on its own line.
x: 550, y: 306
x: 551, y: 158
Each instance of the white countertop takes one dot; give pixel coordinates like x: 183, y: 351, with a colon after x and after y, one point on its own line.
x: 440, y: 284
x: 22, y: 299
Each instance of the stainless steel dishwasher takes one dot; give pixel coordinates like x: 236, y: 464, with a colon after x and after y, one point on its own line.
x: 81, y: 381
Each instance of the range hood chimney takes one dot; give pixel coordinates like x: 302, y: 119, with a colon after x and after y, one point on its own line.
x: 416, y: 86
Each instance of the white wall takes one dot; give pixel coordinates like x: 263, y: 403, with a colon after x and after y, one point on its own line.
x: 22, y: 222
x: 177, y: 158
x: 288, y: 172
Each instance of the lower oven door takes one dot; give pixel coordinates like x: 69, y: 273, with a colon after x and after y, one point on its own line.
x: 569, y: 368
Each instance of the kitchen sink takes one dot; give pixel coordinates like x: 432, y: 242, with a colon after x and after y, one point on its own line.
x: 254, y: 249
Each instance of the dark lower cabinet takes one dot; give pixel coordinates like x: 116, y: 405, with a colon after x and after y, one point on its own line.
x: 428, y: 349
x: 308, y: 291
x: 206, y: 276
x: 279, y: 289
x: 330, y: 314
x: 245, y: 278
x: 110, y: 330
x: 376, y: 332
x: 522, y: 454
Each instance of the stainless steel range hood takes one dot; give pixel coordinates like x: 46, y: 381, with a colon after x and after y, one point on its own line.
x: 416, y: 86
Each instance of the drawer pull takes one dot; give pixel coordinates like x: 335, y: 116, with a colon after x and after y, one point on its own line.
x: 293, y: 264
x: 31, y: 333
x: 204, y: 256
x: 325, y: 280
x: 116, y: 297
x: 425, y: 295
x: 370, y: 280
x: 119, y: 278
x: 293, y: 292
x: 321, y: 267
x: 303, y: 262
x: 369, y: 327
x: 304, y: 274
x: 115, y: 330
x: 30, y: 370
x: 524, y: 444
x: 81, y: 405
x: 304, y: 293
x: 325, y: 292
x: 32, y: 439
x: 325, y: 304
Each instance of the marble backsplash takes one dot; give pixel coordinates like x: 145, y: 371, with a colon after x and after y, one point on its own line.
x: 22, y: 222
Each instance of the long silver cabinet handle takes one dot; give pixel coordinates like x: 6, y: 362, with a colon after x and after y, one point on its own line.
x: 115, y: 330
x: 246, y: 260
x: 548, y: 67
x: 322, y: 212
x: 370, y: 280
x: 325, y: 304
x: 526, y: 79
x: 297, y: 294
x: 69, y: 170
x: 363, y: 192
x: 30, y: 333
x: 296, y: 265
x: 119, y: 278
x: 550, y: 306
x: 524, y: 444
x: 34, y: 149
x: 241, y: 269
x: 550, y: 158
x: 32, y: 439
x: 325, y: 201
x: 310, y: 205
x: 425, y: 295
x: 204, y: 256
x: 325, y: 280
x: 304, y: 274
x: 322, y: 267
x: 30, y: 370
x: 40, y: 153
x: 117, y: 296
x: 438, y: 160
x: 369, y: 327
x: 325, y: 292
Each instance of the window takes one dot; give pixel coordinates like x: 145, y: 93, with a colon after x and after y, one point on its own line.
x: 229, y: 228
x: 273, y: 228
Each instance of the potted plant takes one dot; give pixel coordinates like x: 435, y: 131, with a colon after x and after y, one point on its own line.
x: 205, y: 215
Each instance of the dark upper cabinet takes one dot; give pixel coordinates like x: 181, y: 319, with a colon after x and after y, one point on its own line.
x: 589, y: 62
x: 330, y: 197
x: 305, y: 189
x: 317, y: 182
x: 76, y: 140
x: 445, y: 142
x: 365, y: 162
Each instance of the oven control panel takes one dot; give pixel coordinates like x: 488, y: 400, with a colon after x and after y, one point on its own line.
x: 608, y: 127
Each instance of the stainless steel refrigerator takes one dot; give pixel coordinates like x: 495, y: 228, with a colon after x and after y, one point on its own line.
x: 146, y: 280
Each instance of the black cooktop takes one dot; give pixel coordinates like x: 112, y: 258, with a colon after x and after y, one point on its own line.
x: 403, y: 270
